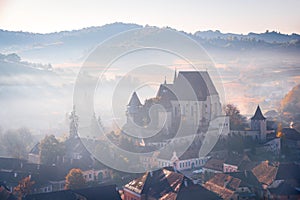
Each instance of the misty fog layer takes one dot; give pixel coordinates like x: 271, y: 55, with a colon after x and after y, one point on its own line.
x: 38, y: 72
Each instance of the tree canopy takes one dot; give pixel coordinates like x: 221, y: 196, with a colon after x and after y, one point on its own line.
x: 290, y: 105
x: 237, y: 121
x: 24, y: 187
x: 16, y: 143
x: 51, y: 150
x: 75, y: 179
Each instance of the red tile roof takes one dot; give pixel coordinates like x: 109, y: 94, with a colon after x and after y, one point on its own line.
x: 265, y: 172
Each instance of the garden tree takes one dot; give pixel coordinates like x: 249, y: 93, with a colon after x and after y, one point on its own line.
x: 23, y: 188
x: 237, y: 121
x: 51, y: 150
x: 17, y: 143
x: 75, y: 179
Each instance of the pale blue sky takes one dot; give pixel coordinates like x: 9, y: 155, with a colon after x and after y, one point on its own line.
x: 238, y: 16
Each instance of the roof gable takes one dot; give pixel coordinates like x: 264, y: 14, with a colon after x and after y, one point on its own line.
x: 188, y: 86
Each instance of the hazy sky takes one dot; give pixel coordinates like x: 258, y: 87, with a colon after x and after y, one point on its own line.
x: 238, y: 16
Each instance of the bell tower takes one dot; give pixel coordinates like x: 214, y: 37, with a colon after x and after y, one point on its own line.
x: 259, y: 123
x: 134, y: 109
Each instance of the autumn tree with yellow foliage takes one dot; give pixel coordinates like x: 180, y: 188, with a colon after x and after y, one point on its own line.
x: 75, y: 179
x: 23, y: 188
x: 290, y: 107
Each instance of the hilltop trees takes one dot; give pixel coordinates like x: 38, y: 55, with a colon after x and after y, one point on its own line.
x: 75, y: 179
x: 51, y: 150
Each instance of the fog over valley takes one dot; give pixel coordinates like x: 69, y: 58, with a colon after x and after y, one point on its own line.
x: 38, y: 72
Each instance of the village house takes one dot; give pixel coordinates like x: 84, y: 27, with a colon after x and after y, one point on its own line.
x: 235, y: 185
x: 165, y: 183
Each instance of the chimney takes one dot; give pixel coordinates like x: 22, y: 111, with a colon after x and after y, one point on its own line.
x: 185, y: 183
x: 174, y: 166
x: 246, y: 174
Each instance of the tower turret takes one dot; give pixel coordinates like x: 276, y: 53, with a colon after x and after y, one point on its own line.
x: 175, y: 75
x: 134, y: 108
x: 258, y: 123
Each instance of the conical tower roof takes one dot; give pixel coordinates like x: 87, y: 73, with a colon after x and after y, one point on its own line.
x: 258, y: 114
x: 175, y: 76
x: 134, y: 101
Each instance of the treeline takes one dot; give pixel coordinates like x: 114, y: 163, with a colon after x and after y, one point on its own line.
x: 16, y: 143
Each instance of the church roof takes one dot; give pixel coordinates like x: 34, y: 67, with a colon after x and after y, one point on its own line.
x: 188, y: 86
x: 258, y: 114
x: 199, y: 82
x: 134, y: 101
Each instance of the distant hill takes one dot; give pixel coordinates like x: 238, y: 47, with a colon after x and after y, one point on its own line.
x: 75, y: 45
x: 269, y: 37
x: 11, y: 64
x: 256, y: 68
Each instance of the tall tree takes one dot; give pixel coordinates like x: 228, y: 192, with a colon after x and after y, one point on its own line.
x: 23, y: 188
x: 75, y: 179
x: 237, y: 121
x: 51, y: 150
x: 73, y: 124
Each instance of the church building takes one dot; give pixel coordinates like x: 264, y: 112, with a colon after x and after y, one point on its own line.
x: 191, y: 100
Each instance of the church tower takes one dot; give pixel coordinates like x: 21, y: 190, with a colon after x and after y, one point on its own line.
x: 259, y: 123
x: 134, y: 109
